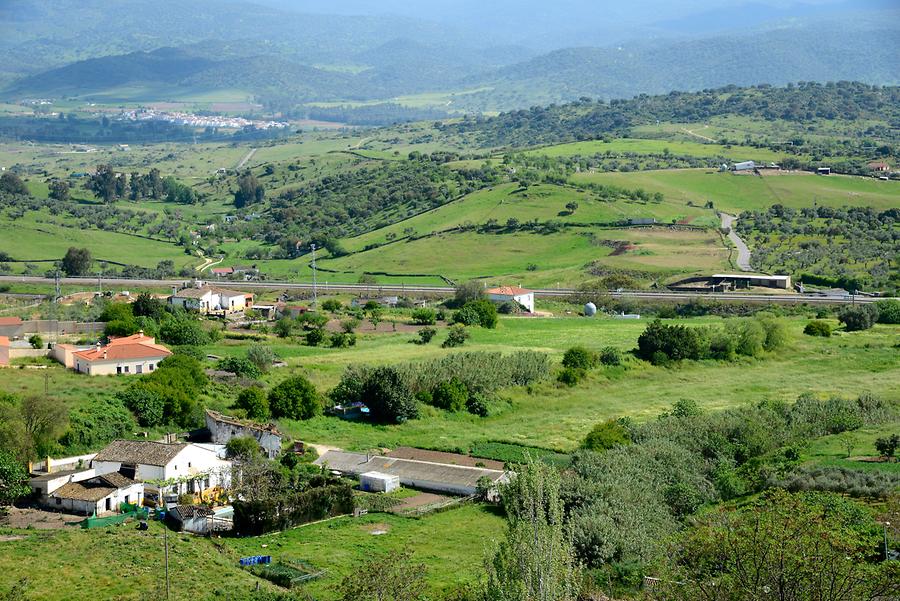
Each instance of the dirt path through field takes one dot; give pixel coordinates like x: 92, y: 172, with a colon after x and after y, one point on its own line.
x: 244, y: 160
x: 696, y: 135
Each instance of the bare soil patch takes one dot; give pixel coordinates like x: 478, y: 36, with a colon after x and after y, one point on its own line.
x: 38, y: 519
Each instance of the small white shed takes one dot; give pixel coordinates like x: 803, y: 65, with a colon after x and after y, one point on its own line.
x: 378, y: 482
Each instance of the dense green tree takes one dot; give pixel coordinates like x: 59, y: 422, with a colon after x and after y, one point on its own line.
x: 858, y: 317
x: 254, y: 402
x: 578, y: 357
x: 295, y: 398
x: 607, y: 435
x: 12, y: 184
x: 242, y: 448
x: 450, y: 395
x: 77, y: 261
x: 59, y: 190
x: 145, y: 403
x: 240, y: 366
x: 96, y: 424
x: 13, y: 479
x: 249, y: 191
x: 388, y: 397
x: 536, y: 561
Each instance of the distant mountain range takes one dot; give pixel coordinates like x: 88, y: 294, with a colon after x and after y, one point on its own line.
x: 284, y: 58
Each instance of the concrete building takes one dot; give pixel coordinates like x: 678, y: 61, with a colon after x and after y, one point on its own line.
x: 423, y: 475
x: 212, y: 300
x: 513, y: 294
x: 187, y: 468
x: 200, y: 520
x: 879, y: 167
x: 135, y: 354
x: 744, y: 166
x: 223, y: 428
x: 375, y: 482
x: 743, y: 280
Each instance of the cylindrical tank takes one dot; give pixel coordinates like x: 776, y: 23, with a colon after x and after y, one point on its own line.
x: 590, y: 309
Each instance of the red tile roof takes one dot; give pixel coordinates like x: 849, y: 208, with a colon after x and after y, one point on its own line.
x: 137, y: 346
x: 508, y: 291
x: 4, y: 341
x: 10, y: 321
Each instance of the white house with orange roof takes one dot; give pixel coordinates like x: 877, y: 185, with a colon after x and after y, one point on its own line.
x: 136, y: 354
x: 4, y: 350
x: 512, y: 294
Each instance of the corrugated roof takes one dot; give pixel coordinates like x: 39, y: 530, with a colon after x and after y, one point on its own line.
x: 407, y: 469
x: 140, y: 452
x: 508, y: 291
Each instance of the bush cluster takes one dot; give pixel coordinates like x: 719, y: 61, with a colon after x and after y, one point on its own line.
x: 479, y: 312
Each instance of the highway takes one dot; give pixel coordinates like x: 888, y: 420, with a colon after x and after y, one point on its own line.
x: 125, y: 284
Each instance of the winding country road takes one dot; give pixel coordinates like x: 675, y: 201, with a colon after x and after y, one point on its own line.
x: 743, y: 258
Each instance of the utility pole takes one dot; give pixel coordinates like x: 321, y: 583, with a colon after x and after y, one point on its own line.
x: 166, y: 545
x: 315, y: 292
x: 885, y: 526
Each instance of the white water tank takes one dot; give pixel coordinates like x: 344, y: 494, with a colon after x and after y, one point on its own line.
x: 590, y: 309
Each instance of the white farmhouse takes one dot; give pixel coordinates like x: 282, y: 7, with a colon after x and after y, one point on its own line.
x: 212, y: 300
x: 512, y: 294
x: 167, y: 468
x: 135, y: 354
x: 86, y: 492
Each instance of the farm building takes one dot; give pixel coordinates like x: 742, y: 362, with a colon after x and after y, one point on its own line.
x: 212, y: 300
x: 10, y: 326
x: 423, y: 475
x: 86, y: 492
x: 192, y: 468
x: 744, y: 166
x: 745, y: 281
x: 823, y: 171
x: 375, y: 482
x: 4, y: 350
x: 223, y: 428
x: 879, y: 167
x: 135, y: 354
x: 197, y: 519
x: 512, y: 294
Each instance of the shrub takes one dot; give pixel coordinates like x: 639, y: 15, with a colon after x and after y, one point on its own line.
x: 261, y: 356
x: 315, y: 337
x: 148, y: 406
x: 183, y: 330
x: 476, y: 404
x: 509, y: 308
x: 426, y: 334
x: 571, y: 376
x: 888, y: 310
x: 817, y: 327
x: 284, y: 327
x: 456, y: 336
x: 342, y: 340
x: 244, y: 448
x: 424, y: 317
x: 579, y: 357
x: 295, y: 398
x: 332, y: 305
x: 388, y: 397
x: 92, y: 426
x: 887, y: 445
x: 610, y: 355
x: 254, y: 402
x: 660, y: 343
x: 450, y: 395
x: 858, y: 317
x: 239, y: 366
x: 477, y: 313
x: 36, y: 341
x: 607, y: 435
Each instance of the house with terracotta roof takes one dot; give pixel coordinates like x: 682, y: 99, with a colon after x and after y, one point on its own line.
x: 514, y: 294
x: 211, y: 300
x: 10, y: 326
x: 4, y: 350
x: 879, y: 167
x: 136, y: 354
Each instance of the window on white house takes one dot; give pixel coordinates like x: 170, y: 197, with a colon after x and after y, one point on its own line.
x: 126, y: 369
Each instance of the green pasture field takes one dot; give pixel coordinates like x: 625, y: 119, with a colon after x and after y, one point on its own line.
x: 555, y: 417
x: 736, y: 193
x: 649, y: 146
x: 28, y: 239
x: 452, y: 544
x: 541, y: 259
x: 122, y: 562
x: 831, y: 451
x: 543, y: 202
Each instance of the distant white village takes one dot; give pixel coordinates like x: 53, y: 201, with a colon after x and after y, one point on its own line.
x: 192, y: 120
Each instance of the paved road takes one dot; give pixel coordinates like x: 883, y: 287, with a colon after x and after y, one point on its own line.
x: 375, y: 289
x: 743, y: 258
